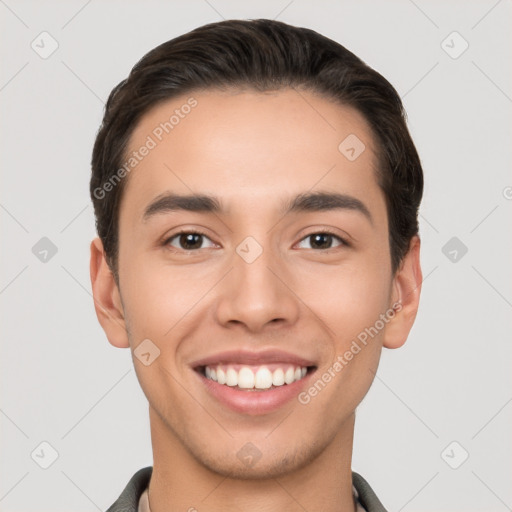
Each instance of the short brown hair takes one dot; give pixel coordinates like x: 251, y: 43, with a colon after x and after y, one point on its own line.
x: 261, y: 55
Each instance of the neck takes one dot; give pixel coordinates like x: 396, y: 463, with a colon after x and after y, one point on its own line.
x: 180, y: 482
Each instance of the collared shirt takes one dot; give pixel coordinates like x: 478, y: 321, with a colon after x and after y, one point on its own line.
x: 144, y: 502
x: 134, y: 497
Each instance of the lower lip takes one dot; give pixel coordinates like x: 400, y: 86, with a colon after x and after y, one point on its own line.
x: 255, y: 402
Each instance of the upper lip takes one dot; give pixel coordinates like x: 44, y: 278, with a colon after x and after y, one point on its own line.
x: 247, y: 357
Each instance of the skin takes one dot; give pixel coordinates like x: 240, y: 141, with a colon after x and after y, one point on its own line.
x: 253, y: 151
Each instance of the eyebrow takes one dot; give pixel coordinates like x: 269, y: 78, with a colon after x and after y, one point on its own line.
x: 306, y: 202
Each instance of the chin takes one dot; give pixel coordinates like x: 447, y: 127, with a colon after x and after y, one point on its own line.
x: 268, y: 466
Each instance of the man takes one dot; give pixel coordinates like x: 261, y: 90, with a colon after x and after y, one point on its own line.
x: 256, y: 193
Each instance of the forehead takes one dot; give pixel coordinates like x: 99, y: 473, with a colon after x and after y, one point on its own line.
x: 249, y: 147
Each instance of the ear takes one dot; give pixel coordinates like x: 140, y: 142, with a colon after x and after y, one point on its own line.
x: 107, y: 299
x: 405, y: 296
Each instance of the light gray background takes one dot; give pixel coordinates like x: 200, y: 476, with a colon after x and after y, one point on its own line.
x: 63, y: 383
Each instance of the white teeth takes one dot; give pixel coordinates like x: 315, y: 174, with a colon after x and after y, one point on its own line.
x: 289, y: 376
x: 278, y: 377
x: 245, y: 378
x: 263, y: 378
x: 231, y: 377
x: 221, y: 376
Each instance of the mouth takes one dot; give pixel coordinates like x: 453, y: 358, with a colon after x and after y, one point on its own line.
x: 254, y: 383
x: 255, y: 378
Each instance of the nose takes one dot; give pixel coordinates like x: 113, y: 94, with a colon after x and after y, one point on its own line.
x: 257, y: 295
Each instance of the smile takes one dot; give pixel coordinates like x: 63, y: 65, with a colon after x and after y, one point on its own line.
x: 254, y: 382
x: 255, y: 377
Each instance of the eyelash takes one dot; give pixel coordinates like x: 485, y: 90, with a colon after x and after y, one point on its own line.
x: 322, y: 232
x: 326, y: 231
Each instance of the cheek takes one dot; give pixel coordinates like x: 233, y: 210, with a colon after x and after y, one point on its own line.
x: 350, y: 304
x: 161, y: 303
x: 348, y: 299
x: 158, y: 300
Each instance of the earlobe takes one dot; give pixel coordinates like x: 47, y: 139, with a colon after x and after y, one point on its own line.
x: 406, y: 294
x: 107, y: 300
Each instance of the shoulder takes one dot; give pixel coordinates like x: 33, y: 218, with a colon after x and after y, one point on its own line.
x: 366, y: 495
x: 128, y: 500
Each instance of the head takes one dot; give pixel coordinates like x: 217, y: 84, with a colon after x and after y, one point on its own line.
x: 303, y: 187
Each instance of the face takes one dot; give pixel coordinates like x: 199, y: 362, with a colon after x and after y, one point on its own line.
x: 253, y: 259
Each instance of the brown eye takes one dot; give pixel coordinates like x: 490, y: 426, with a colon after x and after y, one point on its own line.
x: 322, y: 241
x: 189, y: 241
